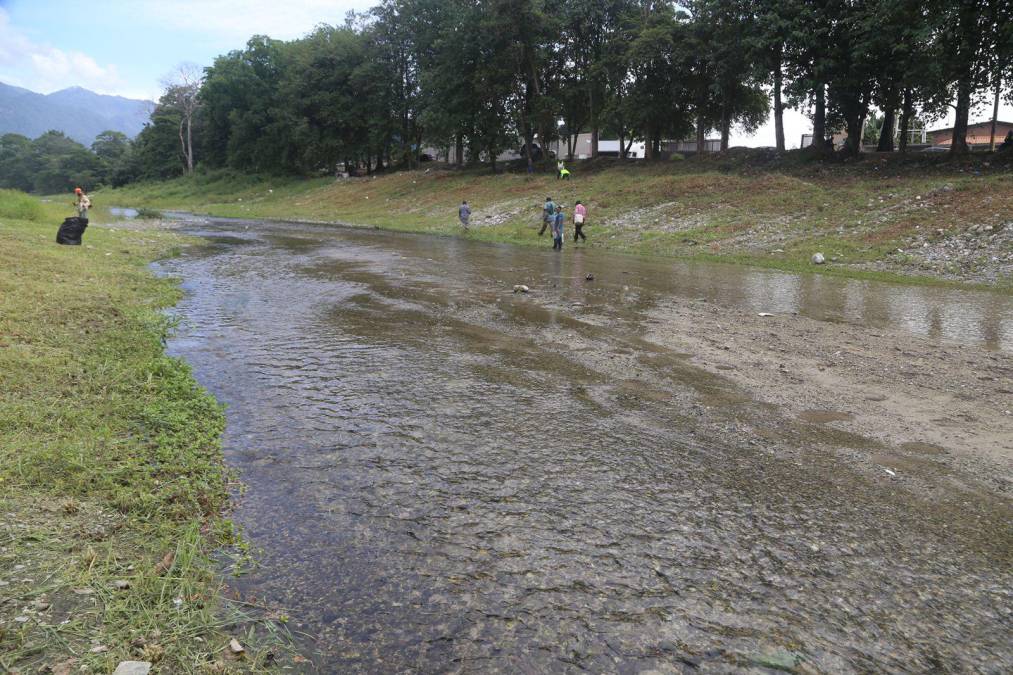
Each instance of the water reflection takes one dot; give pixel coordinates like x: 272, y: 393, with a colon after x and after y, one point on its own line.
x: 123, y: 212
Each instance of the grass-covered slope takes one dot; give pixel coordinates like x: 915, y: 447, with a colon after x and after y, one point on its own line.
x: 883, y: 215
x: 111, y: 475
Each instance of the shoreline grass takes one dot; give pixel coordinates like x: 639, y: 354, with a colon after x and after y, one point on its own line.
x: 773, y: 218
x: 111, y: 474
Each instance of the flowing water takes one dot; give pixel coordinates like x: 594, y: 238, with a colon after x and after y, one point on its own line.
x: 443, y: 475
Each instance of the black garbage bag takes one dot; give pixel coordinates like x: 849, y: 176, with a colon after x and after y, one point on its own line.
x: 71, y: 230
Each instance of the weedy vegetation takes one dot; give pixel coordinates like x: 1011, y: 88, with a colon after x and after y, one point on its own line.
x: 112, y: 484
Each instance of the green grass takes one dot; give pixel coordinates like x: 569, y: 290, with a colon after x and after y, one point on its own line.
x: 110, y: 463
x: 16, y: 205
x: 856, y: 215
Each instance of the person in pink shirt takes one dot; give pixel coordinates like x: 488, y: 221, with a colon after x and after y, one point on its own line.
x: 579, y: 218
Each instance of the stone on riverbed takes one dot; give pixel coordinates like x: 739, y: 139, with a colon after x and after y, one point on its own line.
x: 818, y: 259
x: 133, y: 668
x: 521, y: 288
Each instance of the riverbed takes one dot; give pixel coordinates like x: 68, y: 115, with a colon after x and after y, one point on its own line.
x: 625, y: 468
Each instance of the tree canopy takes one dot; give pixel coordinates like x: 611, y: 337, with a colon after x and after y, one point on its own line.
x: 473, y: 78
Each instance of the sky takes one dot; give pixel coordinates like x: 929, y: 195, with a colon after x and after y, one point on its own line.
x: 127, y: 47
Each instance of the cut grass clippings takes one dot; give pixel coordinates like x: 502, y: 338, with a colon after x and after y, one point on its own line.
x: 112, y: 483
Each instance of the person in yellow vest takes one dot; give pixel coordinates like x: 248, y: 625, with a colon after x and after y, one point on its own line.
x: 82, y: 204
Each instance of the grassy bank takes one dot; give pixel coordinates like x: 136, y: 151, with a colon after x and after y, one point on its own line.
x: 877, y: 218
x: 111, y: 475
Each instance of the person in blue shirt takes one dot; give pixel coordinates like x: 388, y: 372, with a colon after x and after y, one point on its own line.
x: 558, y: 222
x: 464, y: 213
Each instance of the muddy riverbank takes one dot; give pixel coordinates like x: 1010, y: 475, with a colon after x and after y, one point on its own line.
x: 916, y: 219
x: 629, y: 472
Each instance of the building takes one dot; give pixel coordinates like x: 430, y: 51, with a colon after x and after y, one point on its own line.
x: 978, y: 135
x: 637, y: 149
x: 606, y: 148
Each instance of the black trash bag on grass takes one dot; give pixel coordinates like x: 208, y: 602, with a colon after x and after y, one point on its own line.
x: 71, y: 230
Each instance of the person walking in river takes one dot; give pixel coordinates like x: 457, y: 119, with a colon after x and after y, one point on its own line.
x: 579, y: 217
x: 82, y: 204
x: 558, y: 223
x: 548, y: 214
x: 464, y: 213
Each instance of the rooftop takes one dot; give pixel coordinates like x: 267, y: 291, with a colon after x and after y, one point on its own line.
x: 986, y: 123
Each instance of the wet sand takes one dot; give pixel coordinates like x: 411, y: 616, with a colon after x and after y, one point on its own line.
x: 625, y: 474
x: 942, y: 410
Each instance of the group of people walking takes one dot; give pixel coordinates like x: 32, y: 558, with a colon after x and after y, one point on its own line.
x: 553, y: 219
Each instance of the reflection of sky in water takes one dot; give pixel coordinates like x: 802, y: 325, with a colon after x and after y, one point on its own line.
x: 123, y: 212
x: 778, y: 292
x: 939, y: 313
x: 973, y: 317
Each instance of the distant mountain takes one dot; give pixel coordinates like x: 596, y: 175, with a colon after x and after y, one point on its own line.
x: 77, y: 112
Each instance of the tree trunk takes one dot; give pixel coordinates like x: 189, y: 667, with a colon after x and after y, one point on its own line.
x: 189, y: 144
x: 995, y: 113
x: 778, y: 105
x: 820, y: 118
x: 886, y: 133
x: 529, y: 141
x: 622, y: 142
x: 594, y: 141
x: 626, y: 148
x: 726, y: 124
x: 459, y: 150
x: 905, y: 120
x: 958, y: 143
x: 701, y: 133
x: 594, y: 122
x: 182, y: 144
x: 853, y: 143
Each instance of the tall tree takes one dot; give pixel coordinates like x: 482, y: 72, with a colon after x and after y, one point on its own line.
x: 659, y: 102
x: 182, y: 91
x: 969, y: 43
x: 766, y: 45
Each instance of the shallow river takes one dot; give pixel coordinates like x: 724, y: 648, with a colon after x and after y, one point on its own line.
x: 443, y: 475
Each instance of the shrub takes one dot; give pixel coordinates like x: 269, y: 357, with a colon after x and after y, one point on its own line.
x: 17, y: 205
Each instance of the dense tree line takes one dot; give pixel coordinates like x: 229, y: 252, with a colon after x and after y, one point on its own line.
x: 55, y: 163
x: 476, y: 77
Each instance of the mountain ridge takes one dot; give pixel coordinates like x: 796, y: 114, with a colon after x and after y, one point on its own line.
x: 78, y: 112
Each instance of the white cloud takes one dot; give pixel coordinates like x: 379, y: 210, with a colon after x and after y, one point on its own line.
x: 44, y: 68
x: 235, y: 21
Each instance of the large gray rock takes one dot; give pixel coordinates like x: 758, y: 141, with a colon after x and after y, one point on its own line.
x: 818, y: 259
x: 133, y: 668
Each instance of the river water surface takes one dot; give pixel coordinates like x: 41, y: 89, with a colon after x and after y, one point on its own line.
x: 445, y: 476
